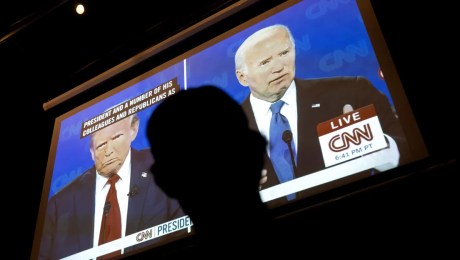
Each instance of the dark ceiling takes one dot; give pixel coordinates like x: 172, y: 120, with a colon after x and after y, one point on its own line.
x: 61, y: 48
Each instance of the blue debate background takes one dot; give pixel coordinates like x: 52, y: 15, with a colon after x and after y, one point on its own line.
x: 331, y: 40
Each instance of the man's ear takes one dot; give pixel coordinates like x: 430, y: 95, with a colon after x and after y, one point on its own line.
x: 92, y: 153
x: 241, y: 78
x: 134, y: 129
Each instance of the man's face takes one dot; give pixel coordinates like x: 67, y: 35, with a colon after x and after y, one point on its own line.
x: 270, y: 65
x: 111, y: 145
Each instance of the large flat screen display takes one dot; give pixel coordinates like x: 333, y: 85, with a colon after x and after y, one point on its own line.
x: 326, y: 61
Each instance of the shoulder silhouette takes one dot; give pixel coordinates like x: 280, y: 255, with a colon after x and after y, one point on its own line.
x: 210, y: 161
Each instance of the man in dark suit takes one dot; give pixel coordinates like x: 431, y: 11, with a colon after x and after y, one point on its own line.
x: 74, y: 214
x: 265, y: 62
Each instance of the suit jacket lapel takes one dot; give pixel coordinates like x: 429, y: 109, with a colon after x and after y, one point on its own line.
x: 139, y: 179
x: 84, y: 202
x: 272, y: 178
x: 309, y: 114
x: 246, y: 105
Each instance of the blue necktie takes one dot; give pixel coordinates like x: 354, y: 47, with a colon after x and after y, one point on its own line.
x: 279, y: 148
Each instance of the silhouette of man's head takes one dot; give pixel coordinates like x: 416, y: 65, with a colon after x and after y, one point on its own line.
x: 204, y: 152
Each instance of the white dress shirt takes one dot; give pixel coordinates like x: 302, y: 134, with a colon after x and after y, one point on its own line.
x: 263, y: 114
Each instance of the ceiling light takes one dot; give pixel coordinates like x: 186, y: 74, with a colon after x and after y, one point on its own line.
x: 80, y: 9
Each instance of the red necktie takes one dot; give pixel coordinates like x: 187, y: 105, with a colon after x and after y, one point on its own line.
x: 111, y: 219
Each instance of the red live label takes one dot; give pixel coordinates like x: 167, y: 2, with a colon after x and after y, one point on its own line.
x: 345, y: 120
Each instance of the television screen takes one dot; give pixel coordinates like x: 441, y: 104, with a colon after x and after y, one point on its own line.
x: 346, y: 118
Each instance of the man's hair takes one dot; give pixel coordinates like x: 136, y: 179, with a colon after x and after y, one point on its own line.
x: 134, y: 119
x: 241, y: 52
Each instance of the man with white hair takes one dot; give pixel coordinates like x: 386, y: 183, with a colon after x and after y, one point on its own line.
x: 265, y: 62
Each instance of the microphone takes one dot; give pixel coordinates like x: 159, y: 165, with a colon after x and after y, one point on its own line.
x: 133, y: 191
x: 287, y: 138
x: 107, y: 207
